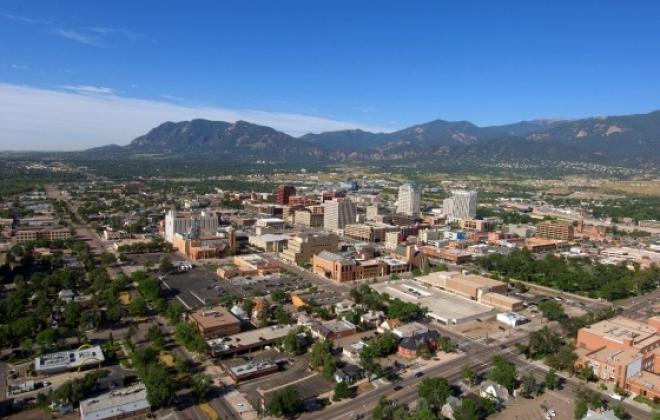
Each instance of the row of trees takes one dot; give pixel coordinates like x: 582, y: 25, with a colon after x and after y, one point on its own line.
x: 156, y: 244
x: 573, y: 275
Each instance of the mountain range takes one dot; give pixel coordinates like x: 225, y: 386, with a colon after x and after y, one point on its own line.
x: 629, y: 140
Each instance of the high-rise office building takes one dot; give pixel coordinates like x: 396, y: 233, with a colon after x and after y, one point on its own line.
x: 283, y: 193
x: 205, y: 222
x: 338, y: 213
x: 409, y: 200
x: 461, y: 205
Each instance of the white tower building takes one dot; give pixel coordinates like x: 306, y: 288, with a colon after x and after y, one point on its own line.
x: 338, y: 213
x: 461, y: 205
x: 409, y: 200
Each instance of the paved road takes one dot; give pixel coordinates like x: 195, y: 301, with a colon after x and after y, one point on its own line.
x: 637, y: 303
x: 478, y: 356
x: 83, y: 231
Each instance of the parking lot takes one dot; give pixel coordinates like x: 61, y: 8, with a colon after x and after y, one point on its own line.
x: 201, y: 286
x: 530, y: 409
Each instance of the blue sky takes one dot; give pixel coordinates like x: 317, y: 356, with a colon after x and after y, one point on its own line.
x: 81, y: 73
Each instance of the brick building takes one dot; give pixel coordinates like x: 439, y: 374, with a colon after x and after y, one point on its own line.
x: 283, y: 193
x: 623, y: 351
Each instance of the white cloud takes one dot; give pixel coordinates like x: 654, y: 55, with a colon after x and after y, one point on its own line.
x: 19, y: 67
x: 25, y: 19
x: 89, y: 89
x: 115, y: 31
x: 77, y: 36
x: 46, y: 119
x: 94, y: 35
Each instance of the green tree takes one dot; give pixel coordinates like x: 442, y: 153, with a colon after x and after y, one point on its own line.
x: 564, y: 359
x: 320, y: 350
x: 543, y: 342
x: 341, y: 391
x: 286, y: 403
x: 329, y: 366
x: 370, y: 366
x: 551, y: 379
x: 291, y: 343
x: 174, y: 313
x: 201, y: 384
x: 160, y: 385
x: 137, y: 307
x: 468, y: 410
x: 620, y: 412
x: 246, y: 306
x: 281, y: 316
x: 552, y: 310
x: 503, y: 372
x: 278, y: 296
x: 187, y: 335
x: 580, y: 410
x: 587, y: 374
x: 155, y: 337
x: 165, y: 264
x: 47, y: 338
x: 469, y: 375
x: 529, y: 386
x: 434, y: 391
x: 389, y: 410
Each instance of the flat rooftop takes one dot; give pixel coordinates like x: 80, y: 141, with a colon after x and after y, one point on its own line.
x: 115, y: 404
x: 443, y: 306
x: 338, y: 325
x: 214, y: 317
x: 69, y: 359
x: 253, y: 367
x: 249, y: 338
x: 620, y: 328
x: 479, y: 281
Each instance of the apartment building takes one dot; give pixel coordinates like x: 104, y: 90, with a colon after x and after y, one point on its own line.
x: 461, y: 205
x: 476, y: 225
x: 338, y: 213
x: 307, y: 218
x: 557, y: 230
x: 205, y: 222
x: 283, y: 193
x: 409, y: 199
x: 47, y: 234
x: 372, y: 232
x: 301, y: 249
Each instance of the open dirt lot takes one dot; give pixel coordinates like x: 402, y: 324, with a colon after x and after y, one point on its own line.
x: 529, y: 409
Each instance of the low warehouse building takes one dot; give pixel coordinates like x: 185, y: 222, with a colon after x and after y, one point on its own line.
x: 69, y: 360
x: 129, y: 402
x: 445, y: 307
x: 250, y: 370
x: 512, y: 319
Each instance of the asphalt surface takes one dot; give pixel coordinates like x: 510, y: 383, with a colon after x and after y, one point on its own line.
x: 478, y: 356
